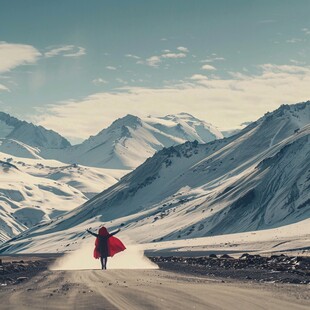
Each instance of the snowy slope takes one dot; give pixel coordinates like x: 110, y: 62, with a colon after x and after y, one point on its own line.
x: 90, y: 181
x: 185, y: 127
x: 293, y: 239
x: 257, y: 179
x: 129, y: 141
x: 125, y: 144
x: 33, y: 190
x: 26, y: 200
x: 19, y: 149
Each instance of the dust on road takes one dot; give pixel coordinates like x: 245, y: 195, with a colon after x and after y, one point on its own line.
x: 143, y: 289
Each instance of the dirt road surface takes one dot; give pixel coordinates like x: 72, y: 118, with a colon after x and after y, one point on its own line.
x: 146, y: 289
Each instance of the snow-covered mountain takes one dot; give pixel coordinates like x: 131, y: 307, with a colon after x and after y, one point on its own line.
x: 130, y: 140
x: 28, y: 134
x: 26, y: 200
x: 257, y: 179
x: 19, y: 149
x: 34, y: 190
x: 125, y: 144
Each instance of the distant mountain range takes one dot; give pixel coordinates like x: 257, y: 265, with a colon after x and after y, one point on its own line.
x: 256, y: 179
x: 26, y: 176
x: 34, y: 190
x: 125, y: 144
x: 130, y: 140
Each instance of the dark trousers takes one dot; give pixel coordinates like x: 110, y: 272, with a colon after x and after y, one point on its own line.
x: 103, y: 260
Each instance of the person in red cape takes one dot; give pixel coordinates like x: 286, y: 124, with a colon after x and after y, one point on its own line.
x: 106, y: 245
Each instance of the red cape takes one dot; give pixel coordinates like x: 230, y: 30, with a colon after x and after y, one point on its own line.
x: 114, y: 244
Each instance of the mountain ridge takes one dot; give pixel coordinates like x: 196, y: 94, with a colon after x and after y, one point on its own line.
x: 257, y: 179
x: 125, y: 144
x: 130, y: 140
x: 30, y: 134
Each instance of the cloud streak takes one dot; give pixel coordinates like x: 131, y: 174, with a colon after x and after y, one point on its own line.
x: 294, y: 40
x: 183, y: 49
x: 66, y: 51
x: 99, y: 81
x: 3, y: 88
x: 223, y: 102
x: 208, y: 67
x: 212, y: 58
x: 306, y: 31
x: 154, y: 61
x: 79, y: 52
x: 198, y: 77
x: 174, y: 55
x: 111, y: 68
x: 132, y: 56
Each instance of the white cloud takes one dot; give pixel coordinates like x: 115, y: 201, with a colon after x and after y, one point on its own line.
x: 271, y: 68
x: 208, y: 67
x: 198, y: 77
x: 119, y: 80
x: 239, y: 75
x: 80, y: 52
x: 212, y: 59
x: 297, y: 62
x: 66, y: 51
x: 155, y: 60
x: 56, y: 51
x: 3, y: 88
x: 13, y: 55
x: 223, y: 102
x: 183, y: 49
x: 306, y: 31
x: 132, y: 56
x: 173, y: 55
x: 152, y: 61
x: 111, y: 68
x: 293, y: 40
x: 99, y: 81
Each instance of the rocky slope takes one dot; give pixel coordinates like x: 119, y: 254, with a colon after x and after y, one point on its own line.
x: 257, y: 179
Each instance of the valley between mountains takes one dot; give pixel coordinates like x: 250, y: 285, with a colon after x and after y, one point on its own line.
x: 161, y: 180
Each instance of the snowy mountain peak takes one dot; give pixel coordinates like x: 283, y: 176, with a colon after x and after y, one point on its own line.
x: 130, y: 140
x: 128, y: 120
x: 8, y: 119
x: 256, y: 179
x: 294, y: 107
x: 298, y: 114
x: 28, y: 133
x: 181, y: 116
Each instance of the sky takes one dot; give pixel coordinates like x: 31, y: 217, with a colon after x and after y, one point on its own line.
x: 75, y: 66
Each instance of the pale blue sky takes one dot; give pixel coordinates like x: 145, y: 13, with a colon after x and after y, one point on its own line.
x: 55, y: 54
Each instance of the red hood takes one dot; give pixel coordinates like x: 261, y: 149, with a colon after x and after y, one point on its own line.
x: 103, y: 232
